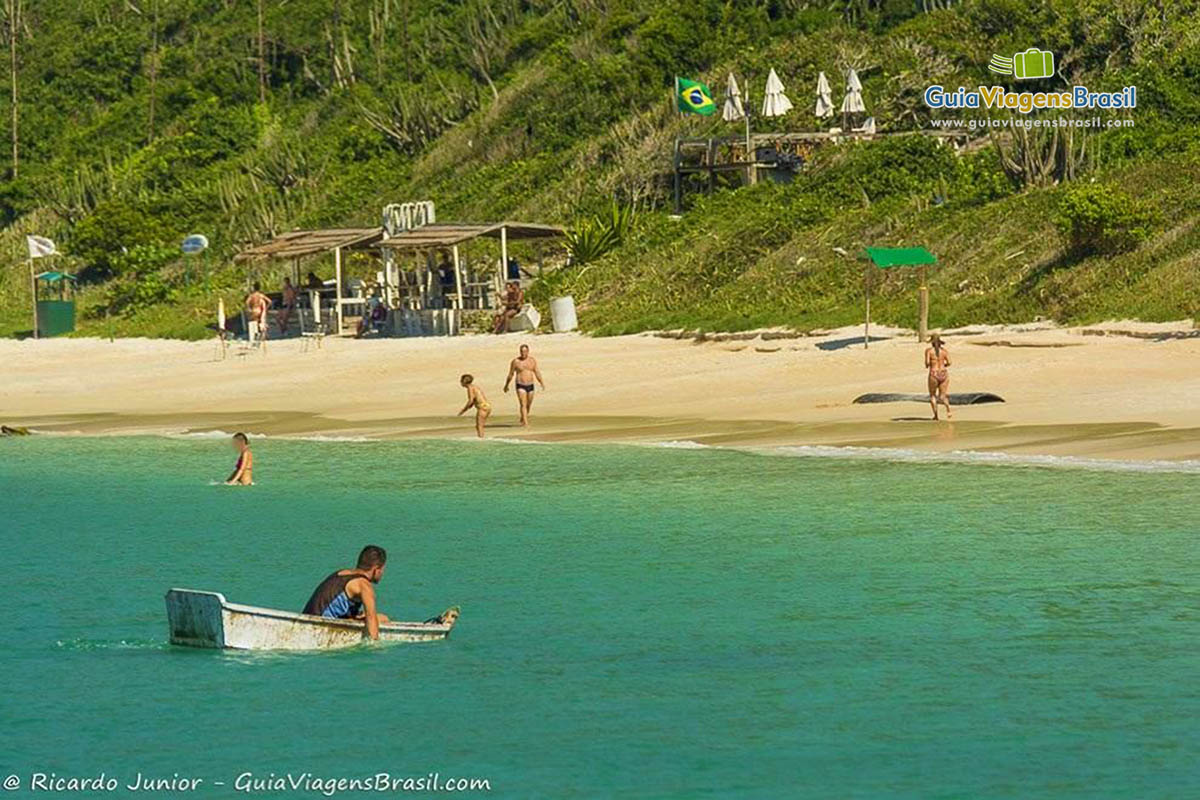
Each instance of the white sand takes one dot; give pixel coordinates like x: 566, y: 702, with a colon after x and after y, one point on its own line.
x: 1109, y: 396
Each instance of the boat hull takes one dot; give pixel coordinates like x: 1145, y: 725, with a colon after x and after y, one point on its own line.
x: 207, y: 619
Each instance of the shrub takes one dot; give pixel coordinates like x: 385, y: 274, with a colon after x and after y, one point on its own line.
x: 592, y: 238
x: 104, y: 238
x: 1098, y: 219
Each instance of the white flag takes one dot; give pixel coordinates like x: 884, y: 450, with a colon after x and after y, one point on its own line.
x: 40, y: 246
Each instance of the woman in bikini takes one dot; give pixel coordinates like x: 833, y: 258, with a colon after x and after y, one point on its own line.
x: 475, y: 397
x: 937, y: 360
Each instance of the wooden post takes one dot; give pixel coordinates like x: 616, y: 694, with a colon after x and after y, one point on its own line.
x: 712, y: 165
x: 503, y: 261
x: 867, y: 324
x: 678, y: 181
x: 337, y: 276
x: 923, y: 307
x: 33, y: 294
x: 458, y: 277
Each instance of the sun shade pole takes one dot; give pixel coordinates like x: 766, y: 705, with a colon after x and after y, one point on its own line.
x: 337, y: 275
x: 458, y: 278
x: 867, y: 322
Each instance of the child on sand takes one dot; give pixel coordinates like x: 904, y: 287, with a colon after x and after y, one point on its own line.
x: 243, y: 473
x: 475, y: 397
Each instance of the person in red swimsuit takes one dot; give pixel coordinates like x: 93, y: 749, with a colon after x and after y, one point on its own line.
x: 937, y: 361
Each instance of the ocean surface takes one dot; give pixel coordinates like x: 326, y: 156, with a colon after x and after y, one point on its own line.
x: 638, y: 622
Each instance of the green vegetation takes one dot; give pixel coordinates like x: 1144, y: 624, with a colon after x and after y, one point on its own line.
x: 143, y: 121
x: 1099, y: 219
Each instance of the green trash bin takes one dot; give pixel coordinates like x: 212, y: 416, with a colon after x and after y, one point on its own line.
x: 55, y: 317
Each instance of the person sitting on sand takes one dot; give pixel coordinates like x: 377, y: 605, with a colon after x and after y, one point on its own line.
x: 373, y: 318
x: 243, y: 472
x: 525, y: 368
x: 350, y: 593
x: 514, y: 298
x: 475, y: 397
x: 937, y: 361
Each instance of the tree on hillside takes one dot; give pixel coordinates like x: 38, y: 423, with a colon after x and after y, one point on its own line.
x: 12, y: 28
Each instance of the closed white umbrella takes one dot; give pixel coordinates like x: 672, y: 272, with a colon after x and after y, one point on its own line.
x: 852, y: 103
x: 733, y: 110
x: 824, y: 97
x: 221, y: 315
x: 775, y: 102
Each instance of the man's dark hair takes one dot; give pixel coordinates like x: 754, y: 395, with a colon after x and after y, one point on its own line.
x: 241, y: 437
x: 258, y: 287
x: 372, y: 556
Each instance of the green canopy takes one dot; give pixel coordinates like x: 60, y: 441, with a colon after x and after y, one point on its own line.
x: 885, y: 257
x: 54, y: 277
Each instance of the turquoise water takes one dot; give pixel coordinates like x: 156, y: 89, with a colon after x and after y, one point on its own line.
x: 637, y: 622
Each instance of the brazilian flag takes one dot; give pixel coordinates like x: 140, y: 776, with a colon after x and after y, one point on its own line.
x: 693, y: 97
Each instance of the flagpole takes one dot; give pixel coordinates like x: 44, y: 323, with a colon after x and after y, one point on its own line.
x: 33, y: 295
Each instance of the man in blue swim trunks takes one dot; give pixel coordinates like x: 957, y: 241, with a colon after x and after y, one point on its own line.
x: 525, y: 369
x: 350, y: 593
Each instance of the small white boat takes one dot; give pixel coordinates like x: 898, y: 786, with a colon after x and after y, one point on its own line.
x: 207, y: 619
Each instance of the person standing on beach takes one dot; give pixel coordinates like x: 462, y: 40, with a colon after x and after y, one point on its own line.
x: 350, y: 593
x: 937, y: 361
x: 525, y: 368
x: 289, y: 305
x: 256, y: 313
x: 476, y: 398
x: 243, y: 472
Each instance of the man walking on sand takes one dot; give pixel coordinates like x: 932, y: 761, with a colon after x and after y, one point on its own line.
x: 525, y: 368
x: 256, y: 314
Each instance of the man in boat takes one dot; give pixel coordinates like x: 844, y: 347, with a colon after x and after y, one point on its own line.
x: 525, y: 369
x: 350, y: 593
x: 243, y: 471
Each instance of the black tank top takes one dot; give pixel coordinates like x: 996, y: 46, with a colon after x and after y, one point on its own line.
x: 330, y: 598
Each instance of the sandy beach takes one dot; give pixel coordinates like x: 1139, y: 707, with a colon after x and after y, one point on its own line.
x: 1114, y: 391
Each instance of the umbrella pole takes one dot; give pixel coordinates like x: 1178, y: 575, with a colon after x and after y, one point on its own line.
x: 752, y: 160
x: 923, y: 307
x: 867, y: 323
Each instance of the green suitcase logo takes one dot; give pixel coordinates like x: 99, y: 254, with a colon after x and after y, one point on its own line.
x: 1033, y: 63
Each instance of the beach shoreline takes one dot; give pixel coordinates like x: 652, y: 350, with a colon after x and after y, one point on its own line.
x: 1117, y: 391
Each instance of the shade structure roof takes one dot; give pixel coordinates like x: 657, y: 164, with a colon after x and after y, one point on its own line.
x: 447, y: 234
x: 885, y: 257
x: 54, y: 276
x: 296, y: 244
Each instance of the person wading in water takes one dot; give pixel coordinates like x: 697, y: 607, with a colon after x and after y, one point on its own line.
x: 937, y: 361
